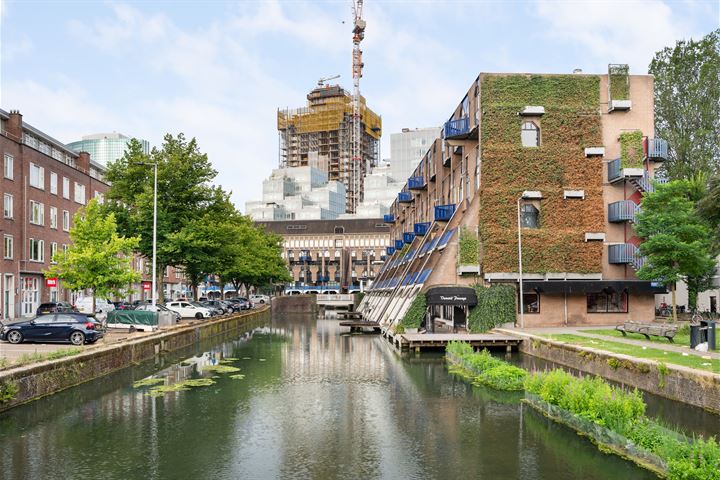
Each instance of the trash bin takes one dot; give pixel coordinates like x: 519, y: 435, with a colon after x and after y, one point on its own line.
x: 696, y: 336
x: 709, y: 332
x: 166, y: 319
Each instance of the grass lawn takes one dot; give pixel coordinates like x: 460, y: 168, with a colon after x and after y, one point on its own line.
x: 692, y: 361
x: 680, y: 339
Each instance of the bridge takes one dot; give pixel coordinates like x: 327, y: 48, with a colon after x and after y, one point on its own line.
x: 340, y: 300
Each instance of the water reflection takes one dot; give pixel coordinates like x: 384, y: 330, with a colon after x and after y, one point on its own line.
x: 314, y: 403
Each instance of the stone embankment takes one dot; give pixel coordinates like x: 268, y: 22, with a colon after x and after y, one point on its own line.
x: 29, y: 382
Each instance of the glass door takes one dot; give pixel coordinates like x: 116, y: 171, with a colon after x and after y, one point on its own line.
x: 30, y: 296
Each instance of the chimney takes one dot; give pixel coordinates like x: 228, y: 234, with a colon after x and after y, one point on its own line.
x: 13, y: 126
x: 577, y: 70
x: 83, y: 161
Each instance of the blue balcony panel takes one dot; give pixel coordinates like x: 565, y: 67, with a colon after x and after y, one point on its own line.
x: 421, y: 228
x: 389, y: 218
x: 390, y: 250
x: 444, y: 213
x: 457, y: 128
x: 408, y: 237
x: 417, y: 183
x: 405, y: 197
x: 398, y: 244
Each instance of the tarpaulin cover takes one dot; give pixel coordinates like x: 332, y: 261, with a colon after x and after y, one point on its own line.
x: 133, y: 317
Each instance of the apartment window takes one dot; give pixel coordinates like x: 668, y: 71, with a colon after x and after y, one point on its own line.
x: 37, y: 250
x: 531, y: 302
x: 99, y: 196
x: 8, y: 247
x: 7, y: 205
x: 530, y: 216
x: 66, y: 247
x: 53, y: 183
x: 53, y: 217
x: 37, y: 213
x: 37, y: 176
x: 66, y: 220
x: 53, y: 252
x: 530, y: 135
x: 66, y: 187
x: 607, y: 301
x: 79, y: 193
x: 8, y: 167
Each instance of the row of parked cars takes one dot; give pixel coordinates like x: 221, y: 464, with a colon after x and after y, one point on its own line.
x: 63, y: 322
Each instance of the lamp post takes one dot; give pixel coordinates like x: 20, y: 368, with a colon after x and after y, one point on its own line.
x: 526, y: 195
x: 154, y: 244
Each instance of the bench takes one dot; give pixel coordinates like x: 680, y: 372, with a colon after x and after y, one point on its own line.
x: 647, y: 329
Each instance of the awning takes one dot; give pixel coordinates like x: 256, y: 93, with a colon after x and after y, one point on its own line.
x: 455, y: 295
x: 593, y: 286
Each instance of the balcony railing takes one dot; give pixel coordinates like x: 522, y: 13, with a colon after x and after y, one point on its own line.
x: 416, y: 183
x: 657, y: 149
x: 389, y: 218
x: 390, y: 250
x: 624, y: 253
x: 622, y: 211
x: 444, y: 213
x: 647, y: 183
x: 421, y: 228
x: 399, y: 244
x: 405, y: 197
x: 616, y: 172
x: 457, y: 128
x: 408, y: 237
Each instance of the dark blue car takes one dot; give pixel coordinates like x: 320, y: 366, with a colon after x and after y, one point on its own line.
x: 75, y: 328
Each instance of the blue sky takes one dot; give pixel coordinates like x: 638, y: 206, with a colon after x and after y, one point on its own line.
x: 218, y: 70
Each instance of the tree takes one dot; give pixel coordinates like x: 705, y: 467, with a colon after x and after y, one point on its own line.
x: 98, y: 258
x: 709, y: 208
x: 687, y: 104
x: 677, y: 242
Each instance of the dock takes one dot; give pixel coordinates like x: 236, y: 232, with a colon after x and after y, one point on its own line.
x: 424, y: 341
x: 359, y: 325
x: 351, y: 315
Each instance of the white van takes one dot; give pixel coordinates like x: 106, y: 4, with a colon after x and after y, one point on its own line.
x: 84, y: 305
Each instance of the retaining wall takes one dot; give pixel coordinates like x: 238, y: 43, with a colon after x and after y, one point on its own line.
x: 295, y: 304
x: 695, y: 387
x: 44, y: 378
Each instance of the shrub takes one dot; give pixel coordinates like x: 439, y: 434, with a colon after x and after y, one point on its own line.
x: 414, y: 315
x: 496, y: 305
x: 469, y: 247
x: 8, y: 390
x: 485, y: 369
x: 504, y: 377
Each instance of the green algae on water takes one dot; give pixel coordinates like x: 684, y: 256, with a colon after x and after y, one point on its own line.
x: 183, y: 386
x: 237, y: 376
x: 220, y: 369
x: 148, y: 382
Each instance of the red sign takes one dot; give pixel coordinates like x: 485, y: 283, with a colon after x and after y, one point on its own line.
x: 146, y: 286
x: 51, y: 282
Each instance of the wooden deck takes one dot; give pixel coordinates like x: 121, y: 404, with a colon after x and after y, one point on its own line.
x: 359, y: 325
x: 420, y: 341
x: 349, y: 315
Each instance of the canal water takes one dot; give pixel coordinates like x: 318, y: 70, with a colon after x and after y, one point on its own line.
x: 307, y: 402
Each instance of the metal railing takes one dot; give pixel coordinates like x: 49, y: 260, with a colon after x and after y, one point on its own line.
x: 416, y: 183
x: 622, y: 253
x: 421, y: 228
x: 657, y: 149
x: 457, y: 128
x: 443, y: 213
x: 614, y: 170
x: 408, y: 237
x: 405, y: 197
x: 622, y: 211
x: 389, y: 218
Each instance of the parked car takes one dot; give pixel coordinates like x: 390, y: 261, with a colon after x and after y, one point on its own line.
x: 84, y: 305
x: 188, y: 310
x: 244, y: 303
x: 230, y: 306
x: 122, y: 306
x: 55, y: 307
x: 158, y: 308
x: 75, y: 328
x: 259, y: 299
x: 217, y: 305
x: 214, y: 311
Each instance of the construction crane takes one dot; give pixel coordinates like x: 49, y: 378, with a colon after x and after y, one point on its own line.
x: 357, y: 66
x: 321, y: 82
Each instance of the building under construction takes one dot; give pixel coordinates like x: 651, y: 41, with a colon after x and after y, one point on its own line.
x: 320, y: 135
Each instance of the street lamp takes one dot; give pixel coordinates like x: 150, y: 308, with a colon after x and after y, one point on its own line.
x: 526, y: 195
x: 154, y: 244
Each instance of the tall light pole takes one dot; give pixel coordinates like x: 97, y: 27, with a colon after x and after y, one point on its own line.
x: 154, y: 244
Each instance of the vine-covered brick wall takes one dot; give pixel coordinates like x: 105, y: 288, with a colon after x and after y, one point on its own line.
x: 571, y: 122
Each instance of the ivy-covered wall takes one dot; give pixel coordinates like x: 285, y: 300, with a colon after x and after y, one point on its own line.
x: 469, y: 247
x: 631, y: 149
x: 571, y: 122
x: 496, y: 305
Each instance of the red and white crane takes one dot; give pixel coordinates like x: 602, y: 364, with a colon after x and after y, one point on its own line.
x: 357, y: 66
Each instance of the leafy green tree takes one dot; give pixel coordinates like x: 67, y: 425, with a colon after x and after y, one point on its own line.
x: 709, y: 207
x: 687, y: 104
x: 677, y: 242
x: 98, y: 258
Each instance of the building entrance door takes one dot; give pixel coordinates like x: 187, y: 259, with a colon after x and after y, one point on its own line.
x: 713, y: 304
x: 8, y: 299
x: 30, y: 296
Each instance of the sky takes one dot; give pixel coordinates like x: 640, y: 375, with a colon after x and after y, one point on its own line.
x: 218, y: 70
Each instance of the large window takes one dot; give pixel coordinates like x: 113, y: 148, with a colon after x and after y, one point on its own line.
x: 530, y: 216
x: 53, y: 251
x: 8, y: 247
x: 607, y: 301
x: 37, y: 250
x: 66, y: 220
x: 7, y: 205
x: 8, y: 170
x: 37, y: 213
x: 66, y: 187
x: 79, y: 193
x: 530, y: 135
x: 37, y: 176
x: 53, y: 217
x: 53, y: 183
x: 531, y: 302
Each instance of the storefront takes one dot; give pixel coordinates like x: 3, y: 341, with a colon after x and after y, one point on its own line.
x: 448, y: 308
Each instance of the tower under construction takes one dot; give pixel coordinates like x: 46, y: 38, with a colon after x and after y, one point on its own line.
x: 320, y: 135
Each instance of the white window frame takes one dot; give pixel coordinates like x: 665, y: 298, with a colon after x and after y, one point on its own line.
x: 66, y: 188
x: 8, y: 206
x: 53, y: 217
x: 37, y: 176
x: 40, y: 244
x: 53, y: 183
x: 37, y: 213
x: 8, y: 247
x: 53, y: 251
x: 79, y: 196
x: 9, y: 167
x: 66, y: 221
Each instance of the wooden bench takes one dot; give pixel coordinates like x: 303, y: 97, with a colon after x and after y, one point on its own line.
x: 647, y: 329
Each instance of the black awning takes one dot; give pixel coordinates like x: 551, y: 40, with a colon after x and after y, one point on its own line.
x: 455, y: 295
x: 593, y: 286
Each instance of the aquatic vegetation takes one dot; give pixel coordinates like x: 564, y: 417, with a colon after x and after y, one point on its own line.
x: 237, y: 376
x: 220, y: 369
x: 148, y: 382
x: 185, y: 385
x: 484, y: 369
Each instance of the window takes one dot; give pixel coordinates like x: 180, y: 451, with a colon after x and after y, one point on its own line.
x: 66, y: 247
x: 66, y: 187
x: 530, y: 216
x: 53, y: 252
x: 66, y: 220
x: 37, y: 213
x: 79, y: 193
x: 37, y: 250
x: 37, y: 176
x: 53, y: 183
x: 8, y: 168
x: 531, y: 302
x: 8, y: 247
x: 99, y: 196
x: 530, y: 135
x: 607, y: 301
x: 7, y: 205
x: 53, y: 217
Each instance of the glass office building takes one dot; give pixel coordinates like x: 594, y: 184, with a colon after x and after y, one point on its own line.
x: 105, y: 147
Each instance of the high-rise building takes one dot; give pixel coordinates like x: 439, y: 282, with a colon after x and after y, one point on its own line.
x: 320, y: 136
x: 407, y: 148
x: 105, y: 147
x: 380, y: 192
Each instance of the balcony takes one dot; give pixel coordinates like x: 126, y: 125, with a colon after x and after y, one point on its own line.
x: 459, y: 128
x: 622, y: 253
x: 405, y: 197
x: 421, y: 228
x: 408, y: 237
x: 646, y: 183
x: 399, y: 244
x: 444, y: 213
x: 417, y: 183
x: 389, y: 218
x: 390, y: 250
x: 622, y: 211
x: 657, y: 149
x: 616, y: 173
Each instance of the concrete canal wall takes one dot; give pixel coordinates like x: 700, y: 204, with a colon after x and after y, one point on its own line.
x: 294, y: 304
x: 37, y: 380
x: 688, y: 385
